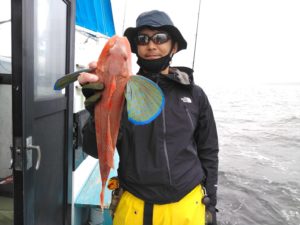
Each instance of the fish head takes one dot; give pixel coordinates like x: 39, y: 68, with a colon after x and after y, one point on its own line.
x: 115, y: 58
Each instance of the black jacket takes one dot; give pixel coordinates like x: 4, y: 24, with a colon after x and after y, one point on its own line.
x: 163, y: 161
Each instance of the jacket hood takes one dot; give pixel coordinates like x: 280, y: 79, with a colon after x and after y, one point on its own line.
x: 180, y: 75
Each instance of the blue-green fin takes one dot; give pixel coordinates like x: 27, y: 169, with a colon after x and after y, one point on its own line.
x: 64, y: 81
x: 145, y: 100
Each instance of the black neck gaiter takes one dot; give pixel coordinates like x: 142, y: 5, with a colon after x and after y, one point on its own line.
x: 155, y: 65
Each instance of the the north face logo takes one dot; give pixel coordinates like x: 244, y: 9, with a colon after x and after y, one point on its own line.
x: 186, y: 100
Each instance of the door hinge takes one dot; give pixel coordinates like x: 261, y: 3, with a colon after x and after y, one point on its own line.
x: 75, y: 132
x: 16, y: 152
x: 79, y: 120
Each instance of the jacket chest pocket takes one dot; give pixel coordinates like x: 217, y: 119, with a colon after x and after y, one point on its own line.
x: 181, y: 118
x: 189, y: 116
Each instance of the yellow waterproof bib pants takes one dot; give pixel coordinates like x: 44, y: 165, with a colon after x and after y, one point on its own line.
x: 188, y: 211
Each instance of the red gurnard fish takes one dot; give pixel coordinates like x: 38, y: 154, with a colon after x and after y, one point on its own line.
x: 114, y: 70
x: 145, y: 101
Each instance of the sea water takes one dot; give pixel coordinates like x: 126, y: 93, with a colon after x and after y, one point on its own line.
x: 259, y: 138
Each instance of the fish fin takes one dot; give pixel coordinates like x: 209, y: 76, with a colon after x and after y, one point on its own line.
x: 108, y: 136
x: 145, y: 100
x: 111, y: 89
x: 64, y: 81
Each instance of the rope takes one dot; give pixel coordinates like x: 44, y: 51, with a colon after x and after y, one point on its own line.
x: 196, y: 34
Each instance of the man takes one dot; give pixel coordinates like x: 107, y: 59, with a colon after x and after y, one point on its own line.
x: 168, y: 168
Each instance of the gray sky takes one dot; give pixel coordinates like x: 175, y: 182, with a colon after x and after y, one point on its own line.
x: 239, y: 41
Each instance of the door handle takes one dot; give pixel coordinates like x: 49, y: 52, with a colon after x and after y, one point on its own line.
x: 22, y: 156
x: 39, y: 154
x: 30, y: 146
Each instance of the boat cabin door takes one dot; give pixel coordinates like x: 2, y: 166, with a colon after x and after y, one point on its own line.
x: 42, y: 51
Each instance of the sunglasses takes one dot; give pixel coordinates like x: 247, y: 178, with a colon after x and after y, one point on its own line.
x: 158, y: 38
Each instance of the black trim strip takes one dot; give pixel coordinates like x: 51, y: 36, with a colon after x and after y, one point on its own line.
x: 16, y: 66
x: 148, y: 214
x: 5, y: 78
x: 70, y: 50
x: 46, y: 107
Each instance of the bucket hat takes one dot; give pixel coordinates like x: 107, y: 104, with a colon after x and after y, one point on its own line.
x: 154, y: 19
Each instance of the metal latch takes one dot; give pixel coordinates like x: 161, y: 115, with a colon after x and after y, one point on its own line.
x: 16, y: 162
x: 18, y: 155
x: 29, y: 148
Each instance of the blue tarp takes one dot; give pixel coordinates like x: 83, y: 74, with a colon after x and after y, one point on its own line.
x: 95, y: 15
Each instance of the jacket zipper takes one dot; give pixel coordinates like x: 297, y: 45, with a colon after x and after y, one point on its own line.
x: 165, y: 145
x: 164, y: 139
x: 189, y: 116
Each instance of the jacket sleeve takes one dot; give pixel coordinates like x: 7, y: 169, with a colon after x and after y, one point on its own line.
x: 208, y: 148
x: 89, y: 144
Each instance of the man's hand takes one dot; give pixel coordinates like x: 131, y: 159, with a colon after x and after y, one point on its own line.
x: 91, y: 88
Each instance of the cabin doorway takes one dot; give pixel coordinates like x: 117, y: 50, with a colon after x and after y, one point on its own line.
x: 36, y: 121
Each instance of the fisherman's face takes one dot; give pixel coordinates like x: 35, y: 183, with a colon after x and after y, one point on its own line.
x: 153, y: 50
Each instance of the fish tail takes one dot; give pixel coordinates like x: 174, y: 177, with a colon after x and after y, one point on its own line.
x: 102, y: 196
